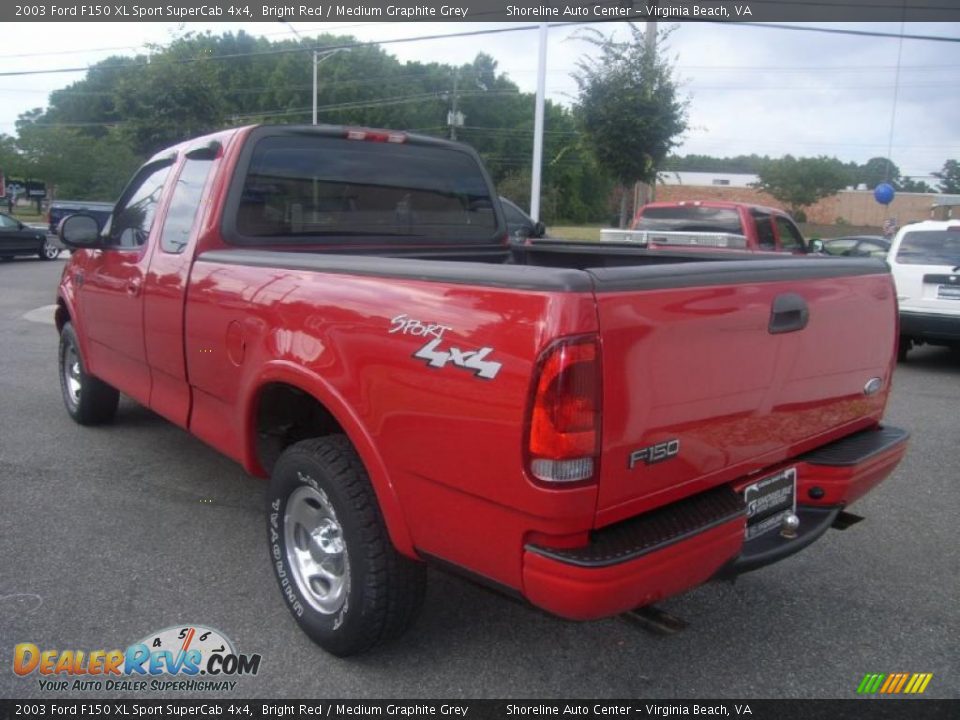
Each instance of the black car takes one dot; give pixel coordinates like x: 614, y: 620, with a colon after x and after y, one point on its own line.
x: 19, y: 239
x: 857, y: 246
x: 519, y: 224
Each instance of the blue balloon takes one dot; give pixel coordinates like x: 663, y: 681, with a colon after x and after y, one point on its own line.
x: 883, y: 193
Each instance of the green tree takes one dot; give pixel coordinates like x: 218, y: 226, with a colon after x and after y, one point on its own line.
x: 629, y: 107
x: 915, y: 186
x: 949, y: 177
x: 73, y: 165
x: 875, y: 171
x: 800, y: 182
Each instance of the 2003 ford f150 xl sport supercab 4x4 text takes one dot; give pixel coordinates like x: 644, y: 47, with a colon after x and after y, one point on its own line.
x: 590, y: 427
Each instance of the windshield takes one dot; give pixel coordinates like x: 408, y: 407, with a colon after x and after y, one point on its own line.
x: 930, y: 247
x: 301, y: 186
x: 689, y: 218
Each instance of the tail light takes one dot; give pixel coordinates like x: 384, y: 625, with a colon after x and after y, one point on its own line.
x: 563, y: 418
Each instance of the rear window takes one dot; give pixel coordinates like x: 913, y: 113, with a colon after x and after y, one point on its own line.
x: 930, y: 247
x: 690, y: 217
x: 300, y: 187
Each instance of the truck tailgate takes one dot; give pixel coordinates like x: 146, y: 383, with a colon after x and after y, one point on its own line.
x: 710, y: 372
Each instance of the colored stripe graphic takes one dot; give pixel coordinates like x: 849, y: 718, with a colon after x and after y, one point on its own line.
x: 894, y: 683
x: 870, y: 683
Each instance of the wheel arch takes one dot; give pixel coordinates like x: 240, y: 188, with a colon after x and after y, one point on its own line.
x: 288, y: 401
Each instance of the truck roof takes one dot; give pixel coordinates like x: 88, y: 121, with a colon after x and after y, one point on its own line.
x: 224, y: 136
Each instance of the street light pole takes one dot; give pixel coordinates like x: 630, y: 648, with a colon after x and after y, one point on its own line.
x: 315, y: 63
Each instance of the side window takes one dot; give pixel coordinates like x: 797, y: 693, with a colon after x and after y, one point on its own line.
x: 184, y: 205
x: 513, y: 215
x: 7, y: 222
x: 765, y: 231
x: 133, y: 218
x: 790, y: 238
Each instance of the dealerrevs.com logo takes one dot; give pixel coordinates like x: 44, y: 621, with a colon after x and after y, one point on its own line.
x: 183, y: 658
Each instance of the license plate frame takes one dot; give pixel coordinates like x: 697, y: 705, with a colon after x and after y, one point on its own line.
x: 768, y: 501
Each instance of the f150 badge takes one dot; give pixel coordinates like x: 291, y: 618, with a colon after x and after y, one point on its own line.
x: 437, y: 356
x: 653, y: 454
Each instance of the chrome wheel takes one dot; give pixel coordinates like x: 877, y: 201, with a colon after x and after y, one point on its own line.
x: 316, y: 550
x: 49, y: 250
x: 71, y: 374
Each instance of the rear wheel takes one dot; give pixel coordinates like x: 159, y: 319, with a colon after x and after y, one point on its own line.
x: 343, y: 581
x: 49, y: 250
x: 89, y: 401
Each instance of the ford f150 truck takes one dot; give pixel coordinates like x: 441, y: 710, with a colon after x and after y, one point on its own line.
x: 591, y: 428
x: 713, y: 224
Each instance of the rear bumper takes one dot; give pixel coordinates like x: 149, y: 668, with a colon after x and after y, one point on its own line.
x: 930, y: 326
x: 675, y: 548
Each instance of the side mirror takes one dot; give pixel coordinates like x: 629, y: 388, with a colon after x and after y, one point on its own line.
x: 79, y: 231
x: 539, y: 230
x: 815, y: 246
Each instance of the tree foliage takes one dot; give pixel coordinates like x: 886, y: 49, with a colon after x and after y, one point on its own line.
x: 746, y: 164
x: 799, y: 183
x: 949, y: 177
x: 96, y: 130
x: 875, y: 171
x: 915, y: 186
x: 629, y: 105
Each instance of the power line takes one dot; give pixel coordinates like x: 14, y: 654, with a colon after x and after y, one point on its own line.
x: 837, y: 31
x: 470, y: 33
x: 288, y: 51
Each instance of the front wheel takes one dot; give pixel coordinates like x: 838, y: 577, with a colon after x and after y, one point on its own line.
x: 340, y: 576
x: 89, y: 400
x: 49, y: 250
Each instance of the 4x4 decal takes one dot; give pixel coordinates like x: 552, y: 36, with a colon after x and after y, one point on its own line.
x: 468, y: 359
x: 437, y: 357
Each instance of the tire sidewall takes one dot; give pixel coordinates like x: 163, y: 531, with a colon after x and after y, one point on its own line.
x: 335, y: 632
x: 47, y: 243
x: 69, y: 339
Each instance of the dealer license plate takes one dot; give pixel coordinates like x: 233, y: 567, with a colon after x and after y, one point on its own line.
x: 948, y: 292
x: 769, y: 501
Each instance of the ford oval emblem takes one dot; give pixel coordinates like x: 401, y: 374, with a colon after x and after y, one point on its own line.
x: 872, y: 386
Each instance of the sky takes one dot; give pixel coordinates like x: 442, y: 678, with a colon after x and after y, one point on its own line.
x: 751, y: 89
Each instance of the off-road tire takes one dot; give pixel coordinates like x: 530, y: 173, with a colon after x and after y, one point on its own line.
x: 383, y: 591
x: 95, y: 402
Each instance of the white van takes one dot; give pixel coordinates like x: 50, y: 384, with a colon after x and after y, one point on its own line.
x: 925, y: 261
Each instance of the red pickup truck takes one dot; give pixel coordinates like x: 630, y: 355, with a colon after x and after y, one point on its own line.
x: 713, y: 224
x: 591, y: 428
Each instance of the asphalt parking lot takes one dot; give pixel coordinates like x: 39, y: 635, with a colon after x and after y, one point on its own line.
x: 111, y: 533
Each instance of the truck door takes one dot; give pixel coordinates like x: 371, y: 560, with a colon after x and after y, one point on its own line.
x: 166, y: 284
x: 111, y: 294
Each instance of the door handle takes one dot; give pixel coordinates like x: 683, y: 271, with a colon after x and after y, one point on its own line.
x: 788, y: 313
x: 133, y: 287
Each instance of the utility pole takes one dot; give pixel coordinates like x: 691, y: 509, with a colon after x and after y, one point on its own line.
x: 538, y: 127
x: 650, y: 37
x: 454, y: 116
x: 315, y: 63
